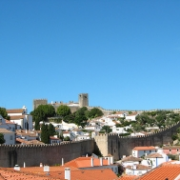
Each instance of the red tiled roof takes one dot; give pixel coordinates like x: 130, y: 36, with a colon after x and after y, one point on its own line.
x: 141, y: 148
x: 15, y: 110
x: 28, y: 142
x: 85, y: 162
x: 58, y: 172
x: 19, y: 175
x: 131, y: 158
x: 139, y: 167
x: 52, y: 137
x: 154, y: 155
x: 127, y: 177
x: 16, y: 117
x: 166, y: 171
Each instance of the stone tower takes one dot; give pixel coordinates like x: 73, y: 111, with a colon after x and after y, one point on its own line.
x: 83, y: 100
x: 37, y: 102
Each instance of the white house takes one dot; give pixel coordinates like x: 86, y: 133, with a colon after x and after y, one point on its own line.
x: 27, y: 135
x: 21, y: 118
x: 7, y: 124
x: 131, y: 117
x: 9, y: 136
x: 130, y: 161
x: 143, y: 150
x: 137, y: 169
x: 157, y: 159
x: 54, y: 140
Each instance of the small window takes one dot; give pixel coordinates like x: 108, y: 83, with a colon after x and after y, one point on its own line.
x: 11, y: 137
x: 177, y: 149
x: 169, y: 150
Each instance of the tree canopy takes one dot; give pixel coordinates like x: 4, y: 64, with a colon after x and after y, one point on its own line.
x: 162, y: 119
x: 44, y: 134
x: 106, y: 129
x: 2, y: 140
x: 3, y: 113
x: 63, y: 111
x: 51, y: 130
x: 94, y: 112
x: 41, y: 113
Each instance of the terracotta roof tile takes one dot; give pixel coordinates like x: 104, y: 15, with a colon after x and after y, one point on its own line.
x: 166, y: 171
x: 11, y: 174
x: 141, y: 148
x: 131, y: 158
x: 17, y: 117
x: 154, y: 155
x: 15, y: 110
x: 58, y: 172
x: 139, y: 167
x: 85, y: 162
x: 127, y: 177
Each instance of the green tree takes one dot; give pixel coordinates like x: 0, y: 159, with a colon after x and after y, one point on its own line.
x: 51, y: 130
x: 44, y: 134
x: 41, y: 113
x: 106, y: 129
x: 3, y: 113
x: 63, y: 110
x: 61, y: 136
x: 69, y: 118
x: 67, y: 138
x: 2, y: 140
x: 80, y: 117
x: 95, y: 112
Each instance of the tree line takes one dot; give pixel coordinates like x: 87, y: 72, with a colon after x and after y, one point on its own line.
x: 80, y: 117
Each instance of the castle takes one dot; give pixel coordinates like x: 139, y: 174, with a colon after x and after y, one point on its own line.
x: 103, y: 144
x: 74, y: 106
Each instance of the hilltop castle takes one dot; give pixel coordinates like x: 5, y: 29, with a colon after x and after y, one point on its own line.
x: 74, y: 106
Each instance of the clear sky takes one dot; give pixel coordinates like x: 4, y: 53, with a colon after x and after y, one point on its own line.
x: 124, y: 53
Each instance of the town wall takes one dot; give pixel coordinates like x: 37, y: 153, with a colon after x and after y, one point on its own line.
x: 119, y: 146
x: 33, y: 155
x: 103, y: 144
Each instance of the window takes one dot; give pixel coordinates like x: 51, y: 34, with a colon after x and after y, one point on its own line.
x: 11, y: 137
x: 177, y: 149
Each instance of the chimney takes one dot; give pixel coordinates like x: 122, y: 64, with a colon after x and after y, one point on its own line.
x: 41, y: 165
x: 101, y: 161
x: 92, y: 162
x: 24, y: 164
x: 67, y: 174
x: 62, y: 161
x: 109, y: 161
x: 112, y: 159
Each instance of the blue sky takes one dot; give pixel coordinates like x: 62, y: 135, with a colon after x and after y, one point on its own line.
x: 124, y: 53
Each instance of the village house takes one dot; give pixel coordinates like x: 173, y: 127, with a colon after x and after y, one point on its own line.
x: 140, y: 151
x: 9, y: 136
x: 21, y: 118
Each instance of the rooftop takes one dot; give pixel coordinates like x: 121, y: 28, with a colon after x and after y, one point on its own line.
x: 142, y: 148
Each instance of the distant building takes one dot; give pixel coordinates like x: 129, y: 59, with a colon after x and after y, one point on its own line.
x: 21, y: 118
x: 74, y: 106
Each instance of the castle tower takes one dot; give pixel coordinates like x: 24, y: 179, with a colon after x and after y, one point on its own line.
x: 37, y: 102
x: 83, y: 100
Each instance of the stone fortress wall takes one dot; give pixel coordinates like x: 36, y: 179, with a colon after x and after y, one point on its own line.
x: 33, y: 155
x: 112, y: 144
x: 119, y: 146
